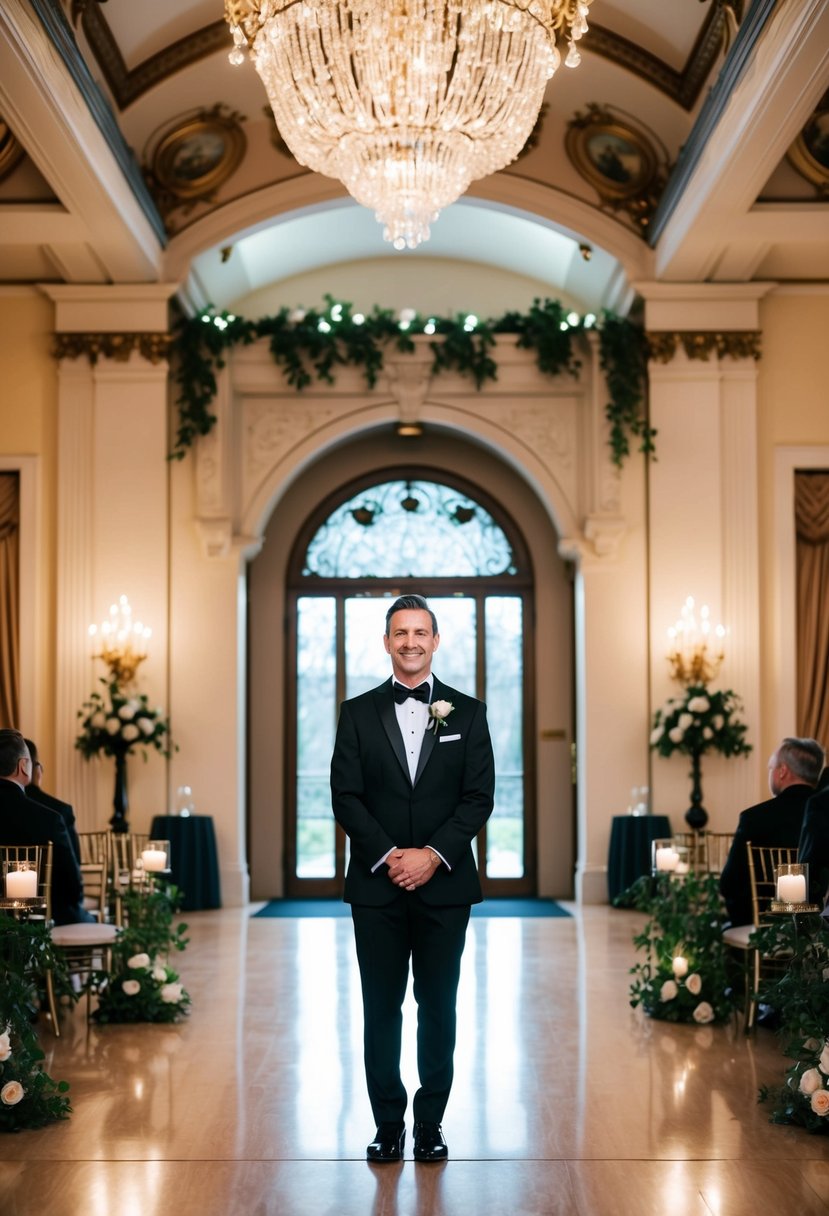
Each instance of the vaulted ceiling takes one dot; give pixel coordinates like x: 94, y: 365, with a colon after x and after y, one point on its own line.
x: 711, y: 97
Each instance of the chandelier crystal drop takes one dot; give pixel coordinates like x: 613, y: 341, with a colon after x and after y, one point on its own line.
x: 406, y: 102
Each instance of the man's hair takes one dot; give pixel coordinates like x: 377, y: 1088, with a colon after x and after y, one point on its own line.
x: 12, y: 751
x: 32, y: 746
x: 805, y: 758
x: 411, y: 602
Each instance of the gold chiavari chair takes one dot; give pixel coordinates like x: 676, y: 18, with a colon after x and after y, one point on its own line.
x: 97, y: 874
x: 125, y: 865
x: 694, y: 842
x: 717, y: 847
x: 762, y: 862
x: 36, y: 905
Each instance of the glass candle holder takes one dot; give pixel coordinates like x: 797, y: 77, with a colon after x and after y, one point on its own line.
x: 791, y: 882
x: 664, y: 855
x: 20, y: 880
x: 155, y: 857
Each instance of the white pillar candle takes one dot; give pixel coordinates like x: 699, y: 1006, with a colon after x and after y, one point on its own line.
x: 21, y: 884
x: 791, y: 889
x: 681, y: 867
x: 679, y: 966
x: 666, y: 859
x: 154, y: 859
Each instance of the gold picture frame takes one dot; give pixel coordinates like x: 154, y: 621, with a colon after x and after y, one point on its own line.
x: 810, y: 151
x: 616, y: 158
x: 192, y: 159
x: 11, y: 150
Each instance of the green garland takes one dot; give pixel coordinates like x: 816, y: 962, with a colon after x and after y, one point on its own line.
x: 311, y: 345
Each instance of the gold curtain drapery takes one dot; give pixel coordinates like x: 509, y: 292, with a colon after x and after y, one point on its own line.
x: 812, y: 528
x: 9, y: 599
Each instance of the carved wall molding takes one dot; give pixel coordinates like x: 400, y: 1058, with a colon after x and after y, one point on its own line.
x: 154, y: 347
x: 731, y: 344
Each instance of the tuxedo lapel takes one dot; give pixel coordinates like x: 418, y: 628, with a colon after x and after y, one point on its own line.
x: 431, y: 736
x: 385, y: 708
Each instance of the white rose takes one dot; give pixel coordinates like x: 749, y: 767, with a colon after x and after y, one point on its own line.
x: 824, y: 1059
x: 113, y: 726
x: 98, y: 720
x: 159, y: 974
x: 146, y: 725
x: 138, y: 960
x: 668, y: 991
x: 694, y: 984
x: 5, y: 1046
x: 703, y: 1013
x: 707, y: 732
x: 657, y: 733
x: 810, y: 1081
x: 820, y: 1102
x: 171, y: 993
x: 126, y: 713
x: 685, y: 720
x: 11, y: 1093
x: 699, y: 705
x: 441, y: 709
x: 130, y: 732
x: 676, y: 734
x: 131, y: 987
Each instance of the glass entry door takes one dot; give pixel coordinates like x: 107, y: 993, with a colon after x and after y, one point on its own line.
x: 336, y: 652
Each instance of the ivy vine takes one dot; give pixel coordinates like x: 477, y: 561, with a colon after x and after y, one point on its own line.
x: 309, y: 345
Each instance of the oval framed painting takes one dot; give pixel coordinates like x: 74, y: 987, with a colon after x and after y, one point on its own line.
x: 615, y: 158
x: 196, y: 157
x: 810, y: 151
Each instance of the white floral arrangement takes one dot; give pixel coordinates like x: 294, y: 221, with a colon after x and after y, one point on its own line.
x: 701, y: 720
x: 120, y: 723
x: 148, y: 990
x: 439, y: 711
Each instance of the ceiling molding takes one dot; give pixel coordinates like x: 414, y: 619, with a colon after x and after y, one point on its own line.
x: 126, y: 84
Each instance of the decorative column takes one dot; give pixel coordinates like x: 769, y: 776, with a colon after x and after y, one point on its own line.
x: 111, y: 343
x: 703, y: 538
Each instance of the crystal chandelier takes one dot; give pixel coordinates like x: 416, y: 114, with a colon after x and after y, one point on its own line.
x: 406, y: 102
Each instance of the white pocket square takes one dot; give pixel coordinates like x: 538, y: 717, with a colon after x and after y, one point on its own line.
x: 447, y: 738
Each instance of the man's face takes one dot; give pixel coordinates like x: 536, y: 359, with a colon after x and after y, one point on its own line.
x: 774, y: 774
x: 411, y: 644
x: 24, y: 768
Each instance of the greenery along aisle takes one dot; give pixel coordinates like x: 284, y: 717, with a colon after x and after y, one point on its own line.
x: 28, y: 1095
x: 683, y: 977
x: 142, y: 985
x: 310, y: 345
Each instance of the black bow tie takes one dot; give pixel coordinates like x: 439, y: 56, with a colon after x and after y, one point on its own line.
x: 402, y: 693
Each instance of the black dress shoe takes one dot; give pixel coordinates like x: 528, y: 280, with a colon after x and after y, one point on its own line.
x: 429, y: 1144
x: 387, y: 1144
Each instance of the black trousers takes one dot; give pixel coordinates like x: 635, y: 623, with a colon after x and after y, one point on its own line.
x: 387, y: 938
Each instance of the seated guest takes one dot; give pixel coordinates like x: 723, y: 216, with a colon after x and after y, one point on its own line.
x: 23, y: 821
x: 35, y: 790
x: 793, y: 773
x: 814, y: 844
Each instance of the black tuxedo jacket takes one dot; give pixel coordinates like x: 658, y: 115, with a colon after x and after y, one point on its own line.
x: 64, y: 809
x: 24, y: 821
x: 777, y: 821
x: 814, y: 844
x: 379, y: 807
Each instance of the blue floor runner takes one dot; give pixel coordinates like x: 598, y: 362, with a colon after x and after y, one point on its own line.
x: 335, y: 907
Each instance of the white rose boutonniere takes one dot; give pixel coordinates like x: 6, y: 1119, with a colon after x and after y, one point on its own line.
x: 439, y: 711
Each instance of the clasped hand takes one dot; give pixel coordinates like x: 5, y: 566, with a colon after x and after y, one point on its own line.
x: 410, y: 868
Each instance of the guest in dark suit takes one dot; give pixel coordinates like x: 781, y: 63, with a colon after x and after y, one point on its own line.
x: 793, y: 772
x: 412, y: 781
x: 36, y: 791
x: 814, y: 844
x: 23, y: 821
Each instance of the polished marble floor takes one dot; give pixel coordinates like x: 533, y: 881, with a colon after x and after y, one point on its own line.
x: 565, y: 1100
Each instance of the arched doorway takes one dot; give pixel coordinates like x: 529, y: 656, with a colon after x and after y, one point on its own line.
x: 548, y: 676
x: 371, y: 541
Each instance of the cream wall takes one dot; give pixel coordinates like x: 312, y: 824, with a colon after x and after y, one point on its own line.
x: 793, y: 411
x: 28, y: 410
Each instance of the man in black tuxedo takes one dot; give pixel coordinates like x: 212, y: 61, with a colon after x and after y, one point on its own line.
x: 793, y: 773
x: 36, y: 791
x: 23, y: 821
x: 412, y: 782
